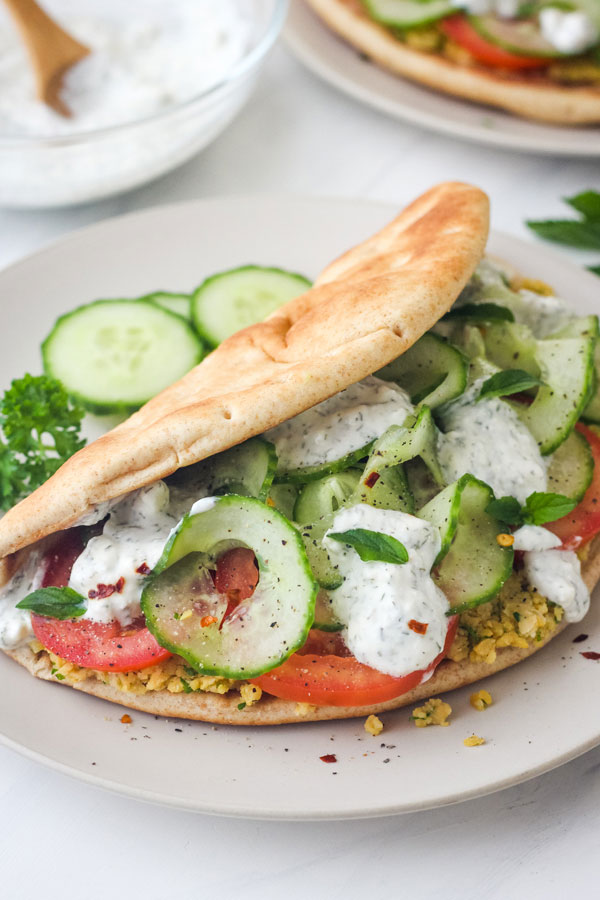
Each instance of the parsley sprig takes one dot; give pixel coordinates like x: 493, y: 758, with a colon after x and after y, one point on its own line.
x: 41, y: 427
x: 582, y: 233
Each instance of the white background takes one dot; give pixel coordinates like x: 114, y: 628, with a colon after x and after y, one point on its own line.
x: 60, y: 838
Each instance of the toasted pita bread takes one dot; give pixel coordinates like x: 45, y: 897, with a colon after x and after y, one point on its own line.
x: 366, y: 308
x: 530, y: 96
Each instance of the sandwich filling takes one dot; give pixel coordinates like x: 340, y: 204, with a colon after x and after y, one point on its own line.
x: 435, y: 509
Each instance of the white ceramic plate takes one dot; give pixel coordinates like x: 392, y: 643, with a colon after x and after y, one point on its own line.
x: 341, y: 65
x: 541, y: 715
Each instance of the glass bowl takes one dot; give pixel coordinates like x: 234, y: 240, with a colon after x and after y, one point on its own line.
x: 64, y: 170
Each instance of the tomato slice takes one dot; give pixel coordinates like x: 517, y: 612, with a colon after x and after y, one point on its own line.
x: 581, y: 525
x: 336, y: 680
x: 237, y: 573
x: 459, y: 29
x: 92, y: 645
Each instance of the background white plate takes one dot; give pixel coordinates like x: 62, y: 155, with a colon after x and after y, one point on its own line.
x: 341, y: 65
x: 542, y: 715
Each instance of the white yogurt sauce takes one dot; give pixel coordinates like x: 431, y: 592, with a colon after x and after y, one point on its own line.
x: 343, y: 423
x: 535, y: 537
x: 569, y: 32
x: 144, y: 59
x: 15, y: 624
x: 556, y: 574
x: 488, y: 440
x: 506, y: 9
x: 542, y: 314
x: 377, y: 600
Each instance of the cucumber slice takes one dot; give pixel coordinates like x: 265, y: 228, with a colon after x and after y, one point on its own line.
x: 261, y: 632
x: 390, y: 491
x: 325, y: 619
x: 567, y: 368
x: 315, y: 473
x: 408, y: 13
x: 396, y: 446
x: 326, y: 573
x: 324, y: 497
x: 471, y: 565
x: 283, y: 497
x: 521, y: 36
x: 246, y: 469
x: 432, y: 371
x: 232, y: 300
x: 421, y: 482
x: 571, y: 467
x: 510, y: 345
x: 175, y: 303
x: 591, y: 413
x: 114, y: 355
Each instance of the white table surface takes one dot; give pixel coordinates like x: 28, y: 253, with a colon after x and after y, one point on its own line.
x: 61, y: 838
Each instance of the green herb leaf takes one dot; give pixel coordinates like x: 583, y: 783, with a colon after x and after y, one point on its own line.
x: 241, y: 706
x: 481, y: 312
x: 55, y: 602
x: 510, y: 381
x: 506, y: 509
x: 373, y: 545
x: 583, y: 235
x: 594, y: 269
x: 187, y: 689
x: 541, y: 508
x: 587, y: 203
x: 41, y: 426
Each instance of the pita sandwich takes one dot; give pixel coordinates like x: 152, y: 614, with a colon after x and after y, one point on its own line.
x: 365, y: 310
x: 533, y: 94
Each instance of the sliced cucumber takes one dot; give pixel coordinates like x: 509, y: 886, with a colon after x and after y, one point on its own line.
x: 283, y: 497
x: 324, y: 497
x: 580, y: 326
x: 232, y: 300
x: 521, y: 36
x: 114, y: 355
x: 571, y: 467
x: 325, y: 619
x: 246, y: 469
x: 510, y: 345
x: 567, y: 368
x: 432, y: 371
x: 471, y: 565
x: 591, y: 413
x: 421, y: 482
x: 315, y: 473
x: 176, y: 303
x: 390, y: 491
x: 408, y: 13
x: 261, y: 632
x: 326, y: 573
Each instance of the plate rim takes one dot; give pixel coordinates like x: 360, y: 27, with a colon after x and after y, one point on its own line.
x: 265, y: 813
x: 474, y: 134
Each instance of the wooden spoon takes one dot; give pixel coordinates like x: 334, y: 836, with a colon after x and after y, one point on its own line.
x: 52, y: 51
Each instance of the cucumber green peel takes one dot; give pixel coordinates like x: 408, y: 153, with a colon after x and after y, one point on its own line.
x: 246, y: 469
x: 261, y: 632
x: 471, y: 566
x: 432, y: 371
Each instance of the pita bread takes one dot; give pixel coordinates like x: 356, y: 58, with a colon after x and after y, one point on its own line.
x: 530, y: 96
x: 365, y: 309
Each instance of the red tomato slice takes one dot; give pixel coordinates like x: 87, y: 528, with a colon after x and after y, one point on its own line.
x: 580, y: 526
x: 109, y: 648
x: 92, y: 645
x: 237, y: 573
x: 333, y: 680
x: 459, y: 29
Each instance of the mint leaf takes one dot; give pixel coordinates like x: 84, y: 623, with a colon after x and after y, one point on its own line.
x: 506, y: 509
x: 594, y: 269
x: 54, y: 602
x: 587, y: 203
x: 541, y: 508
x: 372, y: 545
x: 583, y: 235
x: 510, y: 381
x: 481, y: 312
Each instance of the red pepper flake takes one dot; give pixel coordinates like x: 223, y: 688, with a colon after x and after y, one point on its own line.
x: 126, y: 719
x: 418, y: 627
x: 104, y: 590
x: 120, y: 585
x: 591, y: 654
x: 144, y: 569
x: 580, y: 638
x: 208, y: 620
x: 328, y: 758
x: 372, y: 480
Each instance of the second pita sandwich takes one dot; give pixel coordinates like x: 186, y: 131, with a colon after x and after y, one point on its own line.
x: 374, y: 496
